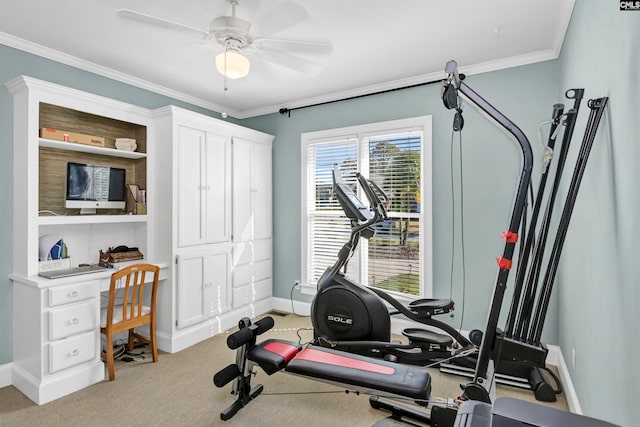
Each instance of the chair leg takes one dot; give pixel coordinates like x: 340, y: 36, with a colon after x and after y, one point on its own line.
x: 152, y: 339
x: 130, y: 343
x: 109, y: 356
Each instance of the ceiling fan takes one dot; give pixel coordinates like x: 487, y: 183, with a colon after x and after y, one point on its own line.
x: 232, y: 38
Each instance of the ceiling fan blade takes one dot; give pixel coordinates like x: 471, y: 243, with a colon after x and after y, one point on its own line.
x: 159, y: 22
x: 289, y: 61
x: 201, y: 59
x: 292, y: 46
x: 287, y: 14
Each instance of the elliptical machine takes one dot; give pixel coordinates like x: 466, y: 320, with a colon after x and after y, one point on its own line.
x: 350, y: 317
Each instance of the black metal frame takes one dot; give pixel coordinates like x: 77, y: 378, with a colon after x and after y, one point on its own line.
x: 453, y: 88
x: 597, y: 107
x: 518, y: 321
x: 520, y: 343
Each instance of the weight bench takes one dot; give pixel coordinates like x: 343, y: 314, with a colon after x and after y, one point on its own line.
x: 355, y: 372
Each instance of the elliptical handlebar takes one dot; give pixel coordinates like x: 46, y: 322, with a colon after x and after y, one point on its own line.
x: 362, y: 217
x: 370, y: 189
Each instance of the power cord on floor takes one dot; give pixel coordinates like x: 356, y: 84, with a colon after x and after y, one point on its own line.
x: 120, y: 351
x: 296, y: 284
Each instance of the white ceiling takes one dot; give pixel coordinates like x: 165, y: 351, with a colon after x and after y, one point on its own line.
x: 376, y: 44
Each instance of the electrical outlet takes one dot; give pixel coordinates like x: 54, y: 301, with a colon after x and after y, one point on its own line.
x: 296, y: 284
x: 573, y: 358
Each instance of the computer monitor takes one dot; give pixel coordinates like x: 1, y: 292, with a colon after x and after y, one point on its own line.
x: 91, y: 187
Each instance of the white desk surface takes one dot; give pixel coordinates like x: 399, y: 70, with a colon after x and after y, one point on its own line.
x: 103, y: 276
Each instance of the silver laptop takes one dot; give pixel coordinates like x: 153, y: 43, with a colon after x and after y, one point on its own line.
x: 55, y: 274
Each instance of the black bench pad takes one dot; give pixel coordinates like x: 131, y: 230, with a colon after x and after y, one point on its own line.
x: 361, y: 372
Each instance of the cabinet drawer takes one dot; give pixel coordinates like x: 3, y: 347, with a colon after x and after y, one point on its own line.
x: 250, y: 273
x: 72, y: 320
x: 251, y: 293
x: 73, y: 351
x: 245, y: 253
x: 70, y: 293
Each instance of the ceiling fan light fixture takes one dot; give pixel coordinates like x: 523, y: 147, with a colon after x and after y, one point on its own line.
x: 232, y: 64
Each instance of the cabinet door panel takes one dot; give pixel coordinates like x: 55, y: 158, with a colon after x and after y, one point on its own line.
x: 191, y: 208
x: 251, y: 293
x: 251, y: 273
x: 261, y: 191
x: 218, y: 189
x: 243, y: 214
x: 248, y: 252
x: 216, y: 290
x: 192, y: 278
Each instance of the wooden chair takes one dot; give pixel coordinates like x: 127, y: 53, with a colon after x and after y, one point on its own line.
x: 129, y: 284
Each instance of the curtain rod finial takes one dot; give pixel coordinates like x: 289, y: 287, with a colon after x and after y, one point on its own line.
x: 285, y: 110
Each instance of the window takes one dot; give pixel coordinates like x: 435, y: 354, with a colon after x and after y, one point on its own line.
x: 396, y: 155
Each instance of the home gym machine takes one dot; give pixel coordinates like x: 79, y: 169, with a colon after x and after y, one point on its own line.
x: 387, y: 378
x: 518, y: 351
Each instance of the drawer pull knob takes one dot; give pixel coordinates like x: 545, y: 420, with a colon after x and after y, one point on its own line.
x: 74, y: 352
x: 73, y: 294
x: 74, y: 321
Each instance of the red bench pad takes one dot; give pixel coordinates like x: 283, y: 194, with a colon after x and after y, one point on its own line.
x: 361, y: 372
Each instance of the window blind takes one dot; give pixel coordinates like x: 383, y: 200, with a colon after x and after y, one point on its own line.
x: 327, y: 225
x: 393, y: 258
x: 394, y: 252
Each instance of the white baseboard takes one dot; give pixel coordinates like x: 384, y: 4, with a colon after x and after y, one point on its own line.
x: 286, y: 305
x: 5, y: 374
x: 554, y: 357
x: 567, y: 384
x: 58, y: 385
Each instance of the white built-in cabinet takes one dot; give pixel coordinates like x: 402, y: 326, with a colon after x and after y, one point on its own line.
x: 207, y: 224
x: 217, y: 218
x: 56, y: 337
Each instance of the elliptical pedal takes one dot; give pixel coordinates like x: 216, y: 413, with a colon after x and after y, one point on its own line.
x: 424, y: 336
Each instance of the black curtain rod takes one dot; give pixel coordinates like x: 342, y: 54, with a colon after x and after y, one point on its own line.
x: 288, y: 111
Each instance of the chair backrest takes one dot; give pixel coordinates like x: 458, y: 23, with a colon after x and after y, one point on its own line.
x: 129, y: 283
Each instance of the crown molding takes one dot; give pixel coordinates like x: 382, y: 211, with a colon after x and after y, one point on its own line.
x: 70, y: 60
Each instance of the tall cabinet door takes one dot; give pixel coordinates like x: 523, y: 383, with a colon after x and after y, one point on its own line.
x: 252, y: 215
x: 218, y: 189
x: 262, y: 191
x: 204, y: 187
x: 191, y: 153
x: 217, y: 288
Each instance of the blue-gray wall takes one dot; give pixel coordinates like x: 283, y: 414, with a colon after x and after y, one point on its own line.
x: 599, y: 282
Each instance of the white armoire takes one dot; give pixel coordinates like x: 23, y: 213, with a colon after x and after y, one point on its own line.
x: 214, y: 223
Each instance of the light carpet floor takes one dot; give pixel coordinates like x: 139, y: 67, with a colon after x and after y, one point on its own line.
x: 178, y: 391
